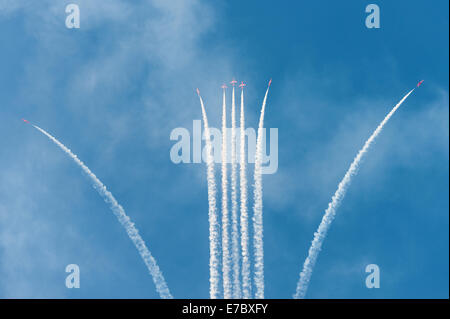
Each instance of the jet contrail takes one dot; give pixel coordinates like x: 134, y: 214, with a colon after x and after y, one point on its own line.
x: 234, y: 205
x: 257, y: 208
x: 214, y: 276
x: 246, y: 283
x: 225, y: 236
x: 118, y: 210
x: 330, y: 212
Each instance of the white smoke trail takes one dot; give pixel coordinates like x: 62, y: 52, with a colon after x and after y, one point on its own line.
x: 225, y: 236
x: 118, y: 210
x: 246, y: 283
x: 214, y: 276
x: 330, y: 212
x: 234, y: 205
x: 257, y: 208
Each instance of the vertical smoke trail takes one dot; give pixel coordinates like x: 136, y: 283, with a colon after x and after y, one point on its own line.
x: 246, y: 283
x: 212, y: 215
x: 257, y: 208
x: 118, y: 210
x: 320, y: 234
x: 234, y: 206
x: 225, y: 239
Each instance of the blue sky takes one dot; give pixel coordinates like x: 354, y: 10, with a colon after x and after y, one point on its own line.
x: 113, y: 90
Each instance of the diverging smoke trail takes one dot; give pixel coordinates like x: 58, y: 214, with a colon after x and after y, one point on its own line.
x: 118, y: 210
x: 214, y: 276
x: 330, y: 212
x: 246, y: 281
x: 225, y: 224
x: 257, y: 208
x: 234, y: 205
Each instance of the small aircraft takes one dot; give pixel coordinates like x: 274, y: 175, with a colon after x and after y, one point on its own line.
x: 233, y: 82
x: 25, y: 121
x: 224, y: 86
x: 242, y: 84
x: 198, y: 91
x: 418, y: 84
x: 270, y: 82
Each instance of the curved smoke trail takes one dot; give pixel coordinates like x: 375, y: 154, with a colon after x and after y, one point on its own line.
x: 234, y: 205
x: 118, y: 210
x: 320, y: 234
x: 257, y: 208
x: 214, y: 276
x: 246, y: 283
x: 225, y: 224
